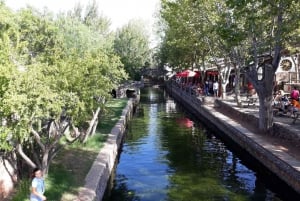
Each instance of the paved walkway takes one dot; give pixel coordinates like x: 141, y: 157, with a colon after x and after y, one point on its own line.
x: 286, y: 150
x: 253, y: 109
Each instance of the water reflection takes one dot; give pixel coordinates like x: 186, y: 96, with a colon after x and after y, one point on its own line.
x: 168, y: 155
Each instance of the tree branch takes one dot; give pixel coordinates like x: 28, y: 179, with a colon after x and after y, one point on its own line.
x: 38, y: 139
x: 24, y: 156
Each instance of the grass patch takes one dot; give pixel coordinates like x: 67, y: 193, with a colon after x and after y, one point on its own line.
x: 22, y: 192
x: 111, y: 115
x: 69, y: 169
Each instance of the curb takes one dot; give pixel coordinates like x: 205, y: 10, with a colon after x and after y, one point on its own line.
x: 98, y: 176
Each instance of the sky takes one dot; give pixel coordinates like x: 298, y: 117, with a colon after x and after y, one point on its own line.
x: 118, y: 11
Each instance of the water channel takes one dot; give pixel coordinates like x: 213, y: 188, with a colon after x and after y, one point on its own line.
x: 170, y: 155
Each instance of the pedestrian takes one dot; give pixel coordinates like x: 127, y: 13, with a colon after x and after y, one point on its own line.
x: 37, y: 186
x: 251, y: 90
x: 295, y: 94
x: 210, y: 87
x: 216, y: 88
x: 280, y: 100
x: 206, y: 88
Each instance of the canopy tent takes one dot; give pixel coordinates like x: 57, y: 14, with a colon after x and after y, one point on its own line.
x: 198, y: 74
x: 212, y: 72
x: 188, y: 73
x: 211, y: 75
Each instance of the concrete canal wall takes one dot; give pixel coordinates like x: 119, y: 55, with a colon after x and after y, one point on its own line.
x: 251, y: 143
x: 98, y: 176
x: 280, y: 130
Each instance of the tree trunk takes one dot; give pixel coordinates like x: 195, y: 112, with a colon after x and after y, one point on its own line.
x: 265, y: 114
x: 24, y: 156
x: 223, y: 90
x: 94, y: 127
x: 265, y: 95
x: 45, y: 161
x: 91, y: 125
x: 237, y: 87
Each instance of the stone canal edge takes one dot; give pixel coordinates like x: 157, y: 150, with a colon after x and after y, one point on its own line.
x: 280, y: 163
x: 99, y: 174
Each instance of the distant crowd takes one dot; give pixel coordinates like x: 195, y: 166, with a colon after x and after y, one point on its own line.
x: 210, y: 88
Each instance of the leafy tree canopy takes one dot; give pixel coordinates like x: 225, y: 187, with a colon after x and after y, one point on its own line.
x: 132, y: 46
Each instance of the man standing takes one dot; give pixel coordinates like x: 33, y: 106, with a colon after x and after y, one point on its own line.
x: 216, y: 88
x: 206, y: 88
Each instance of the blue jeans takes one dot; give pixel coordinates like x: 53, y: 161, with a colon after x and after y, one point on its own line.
x: 216, y: 92
x: 206, y: 91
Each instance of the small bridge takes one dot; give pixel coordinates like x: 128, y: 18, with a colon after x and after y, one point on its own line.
x: 129, y: 89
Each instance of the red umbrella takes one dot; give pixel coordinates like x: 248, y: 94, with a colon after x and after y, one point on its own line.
x: 186, y: 73
x: 198, y: 74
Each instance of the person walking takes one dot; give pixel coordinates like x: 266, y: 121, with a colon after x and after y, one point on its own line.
x: 206, y: 88
x: 295, y: 94
x: 37, y: 186
x: 216, y: 88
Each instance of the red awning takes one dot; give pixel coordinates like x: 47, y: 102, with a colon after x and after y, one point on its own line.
x: 198, y: 74
x: 188, y: 73
x: 212, y: 72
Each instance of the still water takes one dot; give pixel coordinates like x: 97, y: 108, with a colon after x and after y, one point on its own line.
x: 169, y: 155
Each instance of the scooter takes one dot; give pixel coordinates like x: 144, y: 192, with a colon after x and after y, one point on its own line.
x: 282, y: 107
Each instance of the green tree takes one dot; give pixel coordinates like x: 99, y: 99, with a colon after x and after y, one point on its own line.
x: 48, y: 93
x: 90, y: 52
x: 175, y: 47
x: 39, y: 40
x: 188, y: 29
x: 267, y: 26
x: 8, y: 37
x: 224, y: 44
x: 245, y: 34
x: 132, y: 46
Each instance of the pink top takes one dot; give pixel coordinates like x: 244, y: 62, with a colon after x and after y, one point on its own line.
x: 295, y: 94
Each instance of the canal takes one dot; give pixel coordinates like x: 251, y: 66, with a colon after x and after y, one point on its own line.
x: 170, y: 155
